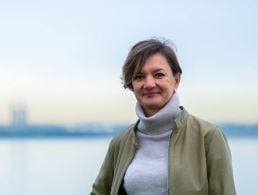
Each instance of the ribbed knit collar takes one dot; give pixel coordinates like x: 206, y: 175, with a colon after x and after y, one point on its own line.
x: 162, y: 121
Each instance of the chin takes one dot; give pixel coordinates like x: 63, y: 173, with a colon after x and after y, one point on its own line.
x: 153, y: 106
x: 152, y: 103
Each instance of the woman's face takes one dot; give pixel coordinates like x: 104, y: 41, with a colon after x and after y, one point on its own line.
x: 154, y: 84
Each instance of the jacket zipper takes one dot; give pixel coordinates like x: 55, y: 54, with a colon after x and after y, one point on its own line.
x: 169, y: 155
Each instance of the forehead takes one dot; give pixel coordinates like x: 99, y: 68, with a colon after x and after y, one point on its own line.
x: 155, y: 62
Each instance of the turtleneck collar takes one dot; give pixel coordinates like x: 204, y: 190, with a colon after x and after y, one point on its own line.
x: 162, y: 121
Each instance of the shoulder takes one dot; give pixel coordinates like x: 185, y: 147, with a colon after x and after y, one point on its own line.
x: 124, y: 136
x: 198, y: 125
x: 209, y: 131
x: 202, y: 124
x: 206, y: 134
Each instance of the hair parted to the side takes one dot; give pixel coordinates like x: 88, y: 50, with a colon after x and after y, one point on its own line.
x: 141, y: 51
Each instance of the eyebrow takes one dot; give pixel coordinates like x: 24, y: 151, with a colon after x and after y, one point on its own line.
x: 156, y: 70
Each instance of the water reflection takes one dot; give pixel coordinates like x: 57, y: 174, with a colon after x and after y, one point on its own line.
x: 69, y: 166
x: 18, y: 168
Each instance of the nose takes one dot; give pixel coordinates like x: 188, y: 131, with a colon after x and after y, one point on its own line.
x: 149, y: 82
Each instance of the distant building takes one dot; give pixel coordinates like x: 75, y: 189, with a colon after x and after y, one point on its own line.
x: 18, y: 115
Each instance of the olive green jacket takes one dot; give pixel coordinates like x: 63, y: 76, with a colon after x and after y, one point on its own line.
x: 199, y: 160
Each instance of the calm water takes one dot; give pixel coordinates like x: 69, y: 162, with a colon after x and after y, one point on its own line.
x: 69, y: 166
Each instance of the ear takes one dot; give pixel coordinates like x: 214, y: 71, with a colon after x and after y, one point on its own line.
x: 177, y: 79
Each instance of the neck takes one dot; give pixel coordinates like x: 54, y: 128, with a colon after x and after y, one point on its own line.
x: 160, y: 121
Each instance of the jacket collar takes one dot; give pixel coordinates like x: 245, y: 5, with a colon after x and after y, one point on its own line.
x: 182, y: 117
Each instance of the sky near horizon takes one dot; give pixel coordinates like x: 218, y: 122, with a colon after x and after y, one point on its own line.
x: 63, y: 59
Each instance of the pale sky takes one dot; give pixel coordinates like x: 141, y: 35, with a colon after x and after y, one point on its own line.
x: 64, y: 58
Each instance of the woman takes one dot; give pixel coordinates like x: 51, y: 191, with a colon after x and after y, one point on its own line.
x: 168, y: 150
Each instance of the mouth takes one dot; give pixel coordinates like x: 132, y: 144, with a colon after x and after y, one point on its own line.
x: 150, y: 94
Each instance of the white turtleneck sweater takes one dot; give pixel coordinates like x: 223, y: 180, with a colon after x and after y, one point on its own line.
x: 148, y: 172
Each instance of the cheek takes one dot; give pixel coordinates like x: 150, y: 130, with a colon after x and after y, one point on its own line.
x: 137, y: 95
x: 135, y: 86
x: 172, y: 83
x: 170, y: 87
x: 135, y: 89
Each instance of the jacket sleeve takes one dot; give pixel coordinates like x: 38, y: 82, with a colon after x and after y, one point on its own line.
x: 103, y: 182
x: 219, y: 165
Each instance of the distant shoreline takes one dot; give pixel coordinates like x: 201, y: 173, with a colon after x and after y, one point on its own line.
x: 56, y: 136
x: 98, y: 130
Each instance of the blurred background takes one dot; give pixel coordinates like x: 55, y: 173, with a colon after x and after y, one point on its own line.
x: 61, y: 97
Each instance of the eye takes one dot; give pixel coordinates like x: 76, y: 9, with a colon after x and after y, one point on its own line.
x: 138, y: 77
x: 159, y: 75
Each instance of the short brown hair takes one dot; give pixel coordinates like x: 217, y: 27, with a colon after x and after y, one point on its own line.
x: 141, y: 51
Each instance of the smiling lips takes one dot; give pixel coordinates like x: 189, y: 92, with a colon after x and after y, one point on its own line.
x: 150, y: 94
